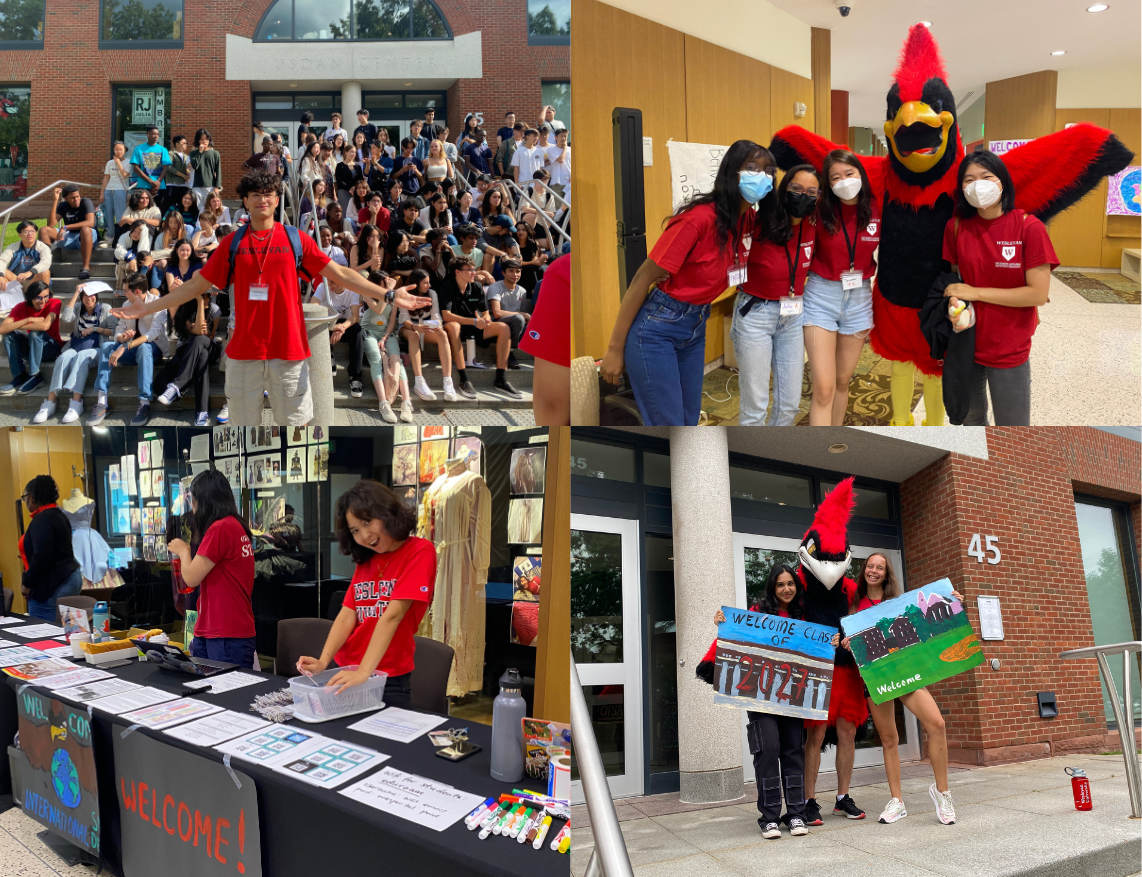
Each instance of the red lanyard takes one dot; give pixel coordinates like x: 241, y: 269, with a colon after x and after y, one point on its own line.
x: 265, y: 253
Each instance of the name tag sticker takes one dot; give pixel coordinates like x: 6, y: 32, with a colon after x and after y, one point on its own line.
x: 259, y: 293
x: 851, y: 280
x: 737, y: 276
x: 791, y: 306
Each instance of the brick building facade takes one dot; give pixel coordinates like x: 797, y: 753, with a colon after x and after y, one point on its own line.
x: 72, y: 79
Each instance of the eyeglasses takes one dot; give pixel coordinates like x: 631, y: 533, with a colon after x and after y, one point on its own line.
x: 798, y: 190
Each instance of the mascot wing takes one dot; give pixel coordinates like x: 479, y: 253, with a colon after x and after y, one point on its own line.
x: 1052, y: 173
x: 793, y: 145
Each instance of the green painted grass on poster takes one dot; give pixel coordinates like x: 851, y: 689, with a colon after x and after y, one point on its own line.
x: 921, y: 661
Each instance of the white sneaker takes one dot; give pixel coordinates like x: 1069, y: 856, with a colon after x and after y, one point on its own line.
x: 893, y: 811
x: 450, y: 391
x: 421, y: 389
x: 797, y: 827
x: 169, y: 394
x: 406, y: 411
x: 46, y: 410
x: 387, y: 413
x: 74, y: 410
x: 945, y: 809
x: 771, y: 831
x: 224, y: 414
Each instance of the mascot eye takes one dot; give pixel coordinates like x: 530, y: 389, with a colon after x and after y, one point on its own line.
x: 937, y: 106
x: 812, y: 548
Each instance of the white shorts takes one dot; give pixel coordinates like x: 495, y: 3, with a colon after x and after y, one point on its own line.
x: 287, y: 382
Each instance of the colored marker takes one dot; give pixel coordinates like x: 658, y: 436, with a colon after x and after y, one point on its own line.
x: 493, y: 822
x: 565, y: 844
x: 498, y: 828
x: 480, y: 812
x: 537, y: 843
x: 530, y: 826
x: 565, y: 831
x: 520, y: 821
x: 489, y: 818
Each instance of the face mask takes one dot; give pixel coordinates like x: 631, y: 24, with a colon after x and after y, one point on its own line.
x: 799, y: 204
x: 754, y: 185
x: 847, y: 188
x: 982, y: 193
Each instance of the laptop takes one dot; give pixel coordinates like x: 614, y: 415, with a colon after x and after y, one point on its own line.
x: 171, y: 657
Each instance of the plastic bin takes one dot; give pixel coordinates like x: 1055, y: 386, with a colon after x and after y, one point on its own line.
x: 313, y: 702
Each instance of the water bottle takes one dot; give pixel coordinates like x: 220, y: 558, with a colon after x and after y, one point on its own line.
x: 508, y: 711
x: 101, y: 622
x: 1080, y: 787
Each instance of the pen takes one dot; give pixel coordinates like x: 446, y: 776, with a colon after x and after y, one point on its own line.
x: 542, y: 833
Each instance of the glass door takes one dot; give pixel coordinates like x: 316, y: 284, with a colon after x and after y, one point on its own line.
x: 754, y: 556
x: 606, y: 643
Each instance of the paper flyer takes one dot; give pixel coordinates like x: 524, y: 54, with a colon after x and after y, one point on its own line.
x: 200, y: 448
x: 97, y: 690
x: 134, y: 699
x: 217, y: 728
x: 415, y: 798
x: 273, y: 745
x: 163, y: 715
x: 331, y: 764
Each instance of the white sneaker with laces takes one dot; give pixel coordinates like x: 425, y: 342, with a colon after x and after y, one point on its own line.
x: 420, y: 387
x: 46, y: 410
x: 797, y: 826
x: 74, y: 410
x: 945, y: 809
x: 169, y: 394
x: 450, y: 391
x: 406, y: 411
x: 893, y: 811
x: 387, y: 413
x: 771, y: 831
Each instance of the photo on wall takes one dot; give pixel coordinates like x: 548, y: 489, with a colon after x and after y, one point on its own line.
x: 297, y: 435
x: 434, y: 432
x: 404, y: 464
x: 263, y: 438
x: 408, y: 496
x: 227, y: 440
x: 525, y: 623
x: 144, y: 455
x: 404, y: 434
x: 470, y: 449
x: 433, y: 456
x: 526, y: 579
x: 527, y: 469
x: 295, y: 473
x: 156, y: 452
x: 525, y: 521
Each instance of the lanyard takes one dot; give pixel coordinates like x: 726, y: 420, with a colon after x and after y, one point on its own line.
x: 850, y: 244
x: 265, y: 252
x: 793, y: 261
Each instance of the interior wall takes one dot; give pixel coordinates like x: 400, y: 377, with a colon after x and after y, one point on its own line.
x: 1021, y: 107
x: 553, y: 659
x: 839, y: 127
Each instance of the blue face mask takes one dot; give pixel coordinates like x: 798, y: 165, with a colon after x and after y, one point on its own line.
x: 754, y: 185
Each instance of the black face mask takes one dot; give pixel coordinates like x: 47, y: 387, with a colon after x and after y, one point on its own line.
x: 799, y: 204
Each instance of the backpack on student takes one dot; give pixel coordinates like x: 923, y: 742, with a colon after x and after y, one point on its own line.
x: 294, y: 242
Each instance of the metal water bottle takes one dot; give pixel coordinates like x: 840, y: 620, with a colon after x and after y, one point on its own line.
x: 101, y: 622
x: 1080, y: 788
x: 508, y: 711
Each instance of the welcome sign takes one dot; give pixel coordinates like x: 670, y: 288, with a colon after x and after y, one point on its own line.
x: 771, y: 664
x: 911, y: 641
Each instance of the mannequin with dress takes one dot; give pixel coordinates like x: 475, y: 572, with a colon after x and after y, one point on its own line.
x: 91, y: 550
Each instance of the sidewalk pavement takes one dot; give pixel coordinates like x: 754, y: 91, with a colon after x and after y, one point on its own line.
x: 1015, y: 819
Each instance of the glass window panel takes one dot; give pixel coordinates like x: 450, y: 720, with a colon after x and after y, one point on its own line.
x: 769, y: 487
x: 602, y: 461
x: 424, y: 100
x: 663, y: 655
x: 558, y: 95
x: 1112, y: 616
x: 426, y: 21
x: 596, y: 597
x: 142, y: 20
x: 131, y: 124
x: 605, y: 704
x: 655, y: 470
x: 323, y: 20
x: 758, y: 563
x: 22, y: 20
x: 273, y: 102
x: 870, y: 503
x: 549, y: 18
x: 313, y: 102
x: 278, y: 23
x: 376, y: 101
x: 382, y: 20
x: 17, y: 103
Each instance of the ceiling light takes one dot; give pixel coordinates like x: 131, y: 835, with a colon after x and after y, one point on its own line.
x: 1060, y: 52
x: 926, y: 23
x: 293, y: 85
x: 1098, y: 7
x: 838, y: 448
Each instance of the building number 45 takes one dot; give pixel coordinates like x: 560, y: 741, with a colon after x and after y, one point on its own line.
x: 976, y: 549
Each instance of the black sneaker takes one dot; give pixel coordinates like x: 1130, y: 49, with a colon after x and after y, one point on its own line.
x: 142, y: 415
x: 505, y: 387
x: 813, y: 812
x: 356, y: 389
x: 769, y: 830
x: 513, y: 363
x: 847, y: 807
x: 467, y: 390
x: 84, y: 274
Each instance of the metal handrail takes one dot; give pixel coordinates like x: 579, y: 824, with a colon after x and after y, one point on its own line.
x: 1124, y: 718
x: 543, y: 217
x: 36, y: 194
x: 610, y: 855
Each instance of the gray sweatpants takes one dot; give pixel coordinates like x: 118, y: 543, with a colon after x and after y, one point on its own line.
x: 1010, y: 393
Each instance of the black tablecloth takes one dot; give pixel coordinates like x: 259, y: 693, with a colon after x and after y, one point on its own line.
x: 307, y: 830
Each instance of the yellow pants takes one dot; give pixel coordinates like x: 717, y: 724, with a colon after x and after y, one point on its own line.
x: 901, y: 384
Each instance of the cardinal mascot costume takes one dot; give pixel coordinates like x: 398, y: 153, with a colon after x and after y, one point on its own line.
x: 915, y: 185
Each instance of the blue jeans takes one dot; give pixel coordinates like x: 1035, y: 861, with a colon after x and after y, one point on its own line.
x: 46, y: 609
x: 665, y: 358
x: 765, y: 341
x: 36, y: 346
x: 231, y: 650
x: 71, y: 369
x: 115, y: 205
x: 71, y: 238
x: 144, y: 356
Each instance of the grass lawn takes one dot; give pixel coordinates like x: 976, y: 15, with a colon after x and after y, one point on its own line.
x: 10, y: 236
x: 921, y: 659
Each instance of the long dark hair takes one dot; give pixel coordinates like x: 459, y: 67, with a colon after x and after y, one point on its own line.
x: 773, y: 221
x: 213, y: 501
x: 890, y: 588
x: 829, y: 205
x: 725, y: 195
x: 989, y: 161
x: 371, y: 501
x: 770, y: 604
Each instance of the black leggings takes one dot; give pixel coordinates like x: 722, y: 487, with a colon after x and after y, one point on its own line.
x: 778, y: 747
x: 356, y: 341
x: 190, y: 363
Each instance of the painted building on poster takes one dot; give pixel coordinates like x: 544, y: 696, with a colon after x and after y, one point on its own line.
x: 670, y: 524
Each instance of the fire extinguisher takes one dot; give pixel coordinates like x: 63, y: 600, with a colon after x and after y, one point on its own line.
x: 1080, y: 788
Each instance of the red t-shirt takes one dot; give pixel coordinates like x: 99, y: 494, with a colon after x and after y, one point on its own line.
x: 409, y: 573
x: 22, y: 312
x: 548, y: 334
x: 996, y: 253
x: 831, y: 256
x: 866, y: 602
x: 224, y: 608
x: 383, y: 218
x: 689, y: 250
x: 275, y: 328
x: 769, y: 263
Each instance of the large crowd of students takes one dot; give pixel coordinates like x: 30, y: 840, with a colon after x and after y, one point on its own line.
x: 434, y: 242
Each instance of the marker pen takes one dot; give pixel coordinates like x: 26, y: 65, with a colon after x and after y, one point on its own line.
x: 565, y: 844
x: 520, y: 822
x: 542, y: 833
x: 530, y: 826
x: 479, y: 813
x: 498, y: 828
x: 563, y: 832
x: 497, y: 821
x: 491, y: 816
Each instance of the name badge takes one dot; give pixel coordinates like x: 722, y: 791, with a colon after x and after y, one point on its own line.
x: 791, y: 306
x: 851, y: 280
x: 259, y: 292
x: 738, y: 275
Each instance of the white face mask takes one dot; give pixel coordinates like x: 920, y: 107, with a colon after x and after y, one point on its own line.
x: 847, y: 188
x: 982, y: 193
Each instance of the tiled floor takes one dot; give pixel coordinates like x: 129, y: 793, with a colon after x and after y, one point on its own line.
x: 23, y: 854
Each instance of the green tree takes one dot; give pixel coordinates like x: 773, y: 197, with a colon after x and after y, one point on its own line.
x: 596, y: 593
x: 426, y: 21
x: 22, y: 19
x: 859, y: 650
x: 884, y: 625
x: 14, y: 128
x: 133, y: 21
x: 543, y: 23
x: 913, y: 614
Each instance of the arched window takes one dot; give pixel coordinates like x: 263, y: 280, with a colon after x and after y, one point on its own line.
x: 306, y: 20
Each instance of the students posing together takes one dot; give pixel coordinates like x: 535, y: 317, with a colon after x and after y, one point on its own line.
x: 801, y: 256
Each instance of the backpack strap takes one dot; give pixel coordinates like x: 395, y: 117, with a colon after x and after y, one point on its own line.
x: 294, y: 236
x: 235, y: 240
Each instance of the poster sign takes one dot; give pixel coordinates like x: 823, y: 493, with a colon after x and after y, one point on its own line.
x: 184, y: 811
x: 771, y: 664
x: 990, y: 618
x: 160, y: 107
x: 911, y: 641
x: 58, y: 784
x: 1001, y: 146
x: 142, y: 107
x: 693, y: 168
x: 1122, y: 193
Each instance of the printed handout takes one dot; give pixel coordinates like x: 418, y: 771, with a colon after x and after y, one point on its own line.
x: 227, y: 681
x: 404, y: 726
x: 97, y: 690
x: 163, y: 715
x: 217, y: 728
x: 330, y: 764
x: 134, y: 699
x: 271, y: 746
x: 415, y: 798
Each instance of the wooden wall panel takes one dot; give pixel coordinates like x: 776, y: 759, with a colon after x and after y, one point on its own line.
x: 1021, y: 107
x: 822, y: 67
x: 627, y: 62
x: 786, y: 89
x: 839, y: 129
x: 1077, y: 233
x: 717, y: 114
x: 553, y: 654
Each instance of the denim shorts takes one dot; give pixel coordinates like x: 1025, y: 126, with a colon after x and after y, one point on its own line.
x: 847, y: 311
x: 71, y: 238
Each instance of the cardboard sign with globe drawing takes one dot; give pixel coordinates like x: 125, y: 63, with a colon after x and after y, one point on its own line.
x: 911, y: 641
x: 56, y: 776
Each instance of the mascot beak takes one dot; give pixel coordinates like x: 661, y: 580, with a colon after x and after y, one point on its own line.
x: 827, y: 572
x: 918, y: 135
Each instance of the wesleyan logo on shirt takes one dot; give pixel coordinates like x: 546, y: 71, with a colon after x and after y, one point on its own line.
x: 871, y: 235
x: 807, y: 249
x: 378, y: 592
x: 1007, y: 250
